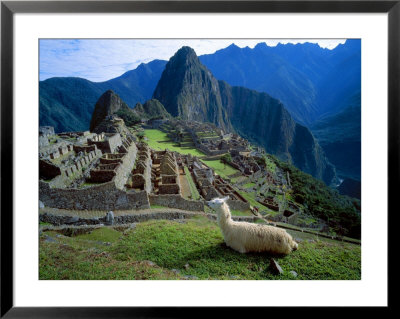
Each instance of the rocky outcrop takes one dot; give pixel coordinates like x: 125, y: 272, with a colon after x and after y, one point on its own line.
x: 108, y: 104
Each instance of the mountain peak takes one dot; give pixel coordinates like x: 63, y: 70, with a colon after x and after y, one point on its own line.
x: 185, y: 54
x: 108, y: 103
x: 233, y: 46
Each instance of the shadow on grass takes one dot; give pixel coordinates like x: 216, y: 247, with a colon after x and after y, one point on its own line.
x: 220, y: 261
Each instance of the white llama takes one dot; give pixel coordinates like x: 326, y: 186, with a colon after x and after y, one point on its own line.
x: 247, y: 237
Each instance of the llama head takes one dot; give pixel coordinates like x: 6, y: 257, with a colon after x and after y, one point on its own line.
x: 217, y: 203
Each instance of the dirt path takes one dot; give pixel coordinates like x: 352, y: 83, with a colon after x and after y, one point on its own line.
x: 102, y: 213
x: 185, y: 189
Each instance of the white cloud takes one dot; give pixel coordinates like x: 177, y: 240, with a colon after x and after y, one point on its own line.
x: 103, y: 59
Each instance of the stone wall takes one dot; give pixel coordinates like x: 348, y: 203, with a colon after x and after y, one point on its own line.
x: 168, y: 189
x: 238, y: 205
x: 124, y: 169
x: 110, y: 143
x: 209, y: 151
x: 100, y: 197
x: 48, y: 170
x: 46, y: 130
x: 81, y: 164
x: 72, y: 226
x: 84, y: 148
x: 43, y: 141
x: 176, y: 201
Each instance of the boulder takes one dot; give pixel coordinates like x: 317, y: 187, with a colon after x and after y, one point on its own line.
x: 276, y: 269
x: 110, y: 218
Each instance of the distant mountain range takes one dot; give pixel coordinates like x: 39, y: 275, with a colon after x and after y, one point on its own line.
x: 313, y: 84
x: 310, y: 81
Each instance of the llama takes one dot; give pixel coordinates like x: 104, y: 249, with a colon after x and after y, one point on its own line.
x: 247, y: 237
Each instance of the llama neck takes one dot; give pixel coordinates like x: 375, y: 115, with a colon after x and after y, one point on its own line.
x: 221, y: 213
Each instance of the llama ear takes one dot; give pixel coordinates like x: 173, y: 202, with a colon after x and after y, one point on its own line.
x: 225, y: 198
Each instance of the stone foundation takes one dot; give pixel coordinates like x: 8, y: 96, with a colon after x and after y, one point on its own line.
x: 100, y: 197
x: 176, y: 201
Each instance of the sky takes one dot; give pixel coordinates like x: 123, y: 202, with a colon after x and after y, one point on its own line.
x: 103, y: 59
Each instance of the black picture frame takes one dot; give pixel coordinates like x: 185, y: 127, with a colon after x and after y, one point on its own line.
x: 9, y: 8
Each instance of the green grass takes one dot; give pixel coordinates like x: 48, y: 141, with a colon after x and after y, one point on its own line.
x: 103, y: 234
x: 223, y: 170
x: 44, y: 224
x: 197, y: 243
x: 157, y: 206
x: 192, y: 186
x: 249, y: 185
x: 241, y: 213
x: 250, y: 197
x: 159, y: 141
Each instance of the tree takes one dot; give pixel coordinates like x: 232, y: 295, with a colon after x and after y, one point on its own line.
x: 140, y: 135
x: 226, y: 159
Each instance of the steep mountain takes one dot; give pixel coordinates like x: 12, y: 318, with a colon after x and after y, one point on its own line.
x: 189, y: 90
x: 340, y: 137
x: 67, y: 103
x: 309, y: 80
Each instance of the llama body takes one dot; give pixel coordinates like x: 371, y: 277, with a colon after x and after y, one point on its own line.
x: 247, y: 237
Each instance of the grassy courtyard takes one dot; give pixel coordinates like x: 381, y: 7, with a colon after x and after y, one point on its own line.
x: 159, y: 141
x: 223, y: 170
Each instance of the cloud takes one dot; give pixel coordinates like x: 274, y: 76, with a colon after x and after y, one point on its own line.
x: 103, y: 59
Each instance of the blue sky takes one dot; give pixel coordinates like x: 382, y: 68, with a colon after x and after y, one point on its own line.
x: 103, y: 59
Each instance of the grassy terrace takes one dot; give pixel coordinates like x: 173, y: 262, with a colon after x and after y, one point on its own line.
x: 192, y: 186
x: 161, y: 249
x: 159, y: 141
x: 250, y: 197
x: 223, y: 170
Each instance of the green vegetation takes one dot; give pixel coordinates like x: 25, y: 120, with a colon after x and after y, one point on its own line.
x: 193, y: 188
x: 157, y: 206
x: 241, y: 213
x: 129, y: 116
x: 270, y: 163
x: 221, y: 169
x: 249, y: 185
x: 140, y: 136
x: 342, y: 213
x: 161, y: 249
x: 250, y: 197
x: 159, y: 140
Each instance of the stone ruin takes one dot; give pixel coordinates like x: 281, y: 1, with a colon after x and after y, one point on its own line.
x: 165, y: 173
x: 104, y: 160
x: 117, y: 163
x: 210, y: 185
x: 140, y: 178
x: 290, y: 211
x: 243, y: 162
